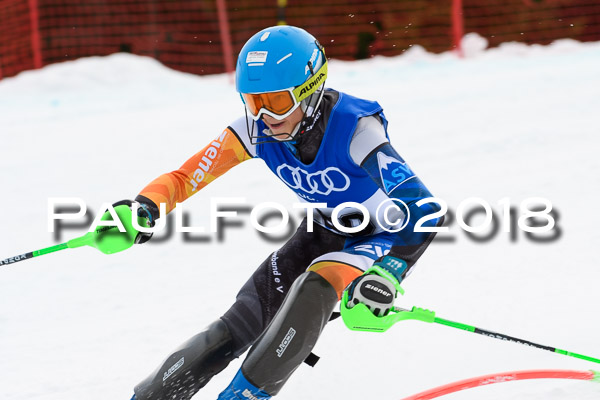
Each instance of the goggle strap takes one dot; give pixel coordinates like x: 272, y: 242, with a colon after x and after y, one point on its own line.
x: 311, y: 85
x: 310, y: 66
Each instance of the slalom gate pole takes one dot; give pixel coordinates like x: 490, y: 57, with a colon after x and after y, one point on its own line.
x: 504, y: 377
x: 360, y: 318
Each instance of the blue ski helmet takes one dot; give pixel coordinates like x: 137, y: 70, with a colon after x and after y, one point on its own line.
x: 281, y: 58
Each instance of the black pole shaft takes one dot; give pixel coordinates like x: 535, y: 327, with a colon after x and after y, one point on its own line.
x: 15, y: 259
x: 507, y: 338
x: 512, y: 339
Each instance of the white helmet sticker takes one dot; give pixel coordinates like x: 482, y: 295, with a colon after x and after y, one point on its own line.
x: 256, y: 57
x: 284, y: 57
x: 313, y: 57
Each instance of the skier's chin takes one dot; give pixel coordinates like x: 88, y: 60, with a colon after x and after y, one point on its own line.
x: 281, y: 135
x: 280, y: 131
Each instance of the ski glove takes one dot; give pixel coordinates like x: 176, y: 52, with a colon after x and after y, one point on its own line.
x: 144, y: 210
x: 378, y: 286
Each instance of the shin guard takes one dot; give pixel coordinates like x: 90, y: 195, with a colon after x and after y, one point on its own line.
x: 190, y: 367
x: 292, y: 334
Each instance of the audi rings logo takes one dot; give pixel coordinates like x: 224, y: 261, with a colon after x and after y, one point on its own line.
x: 321, y: 182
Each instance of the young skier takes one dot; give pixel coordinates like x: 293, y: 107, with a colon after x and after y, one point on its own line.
x: 329, y: 148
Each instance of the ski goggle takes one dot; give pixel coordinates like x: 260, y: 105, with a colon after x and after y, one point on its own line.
x: 280, y: 104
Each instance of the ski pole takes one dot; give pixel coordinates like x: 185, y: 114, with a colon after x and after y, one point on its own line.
x: 36, y: 253
x: 360, y: 318
x: 107, y: 239
x: 87, y: 239
x: 502, y: 336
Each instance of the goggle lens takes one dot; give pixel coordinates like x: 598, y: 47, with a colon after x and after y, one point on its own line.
x: 276, y: 102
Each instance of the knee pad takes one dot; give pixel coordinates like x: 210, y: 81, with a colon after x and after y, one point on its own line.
x: 190, y: 367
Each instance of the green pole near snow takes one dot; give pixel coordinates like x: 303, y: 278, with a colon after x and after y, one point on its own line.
x: 360, y: 318
x: 107, y: 239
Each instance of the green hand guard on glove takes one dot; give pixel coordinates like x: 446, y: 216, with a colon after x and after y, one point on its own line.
x: 109, y: 239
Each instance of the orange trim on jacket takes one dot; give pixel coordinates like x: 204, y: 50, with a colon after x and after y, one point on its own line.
x: 222, y: 154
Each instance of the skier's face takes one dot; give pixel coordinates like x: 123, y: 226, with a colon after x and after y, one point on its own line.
x: 286, y: 125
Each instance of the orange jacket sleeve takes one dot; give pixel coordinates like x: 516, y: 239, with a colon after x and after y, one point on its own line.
x: 222, y: 154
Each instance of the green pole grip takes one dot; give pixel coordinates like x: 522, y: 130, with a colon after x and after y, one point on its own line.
x: 108, y: 239
x: 85, y: 240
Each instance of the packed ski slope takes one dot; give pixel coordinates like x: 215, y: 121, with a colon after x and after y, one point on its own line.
x: 514, y: 122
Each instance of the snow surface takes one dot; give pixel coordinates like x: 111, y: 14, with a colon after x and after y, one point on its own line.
x: 516, y: 121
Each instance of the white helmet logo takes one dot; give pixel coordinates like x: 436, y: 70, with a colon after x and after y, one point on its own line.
x: 256, y: 57
x: 322, y: 182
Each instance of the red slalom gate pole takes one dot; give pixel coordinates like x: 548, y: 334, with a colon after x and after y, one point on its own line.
x: 36, y: 42
x: 504, y: 377
x: 225, y: 37
x: 458, y: 29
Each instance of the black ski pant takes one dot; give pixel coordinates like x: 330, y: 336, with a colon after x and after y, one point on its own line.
x: 309, y: 300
